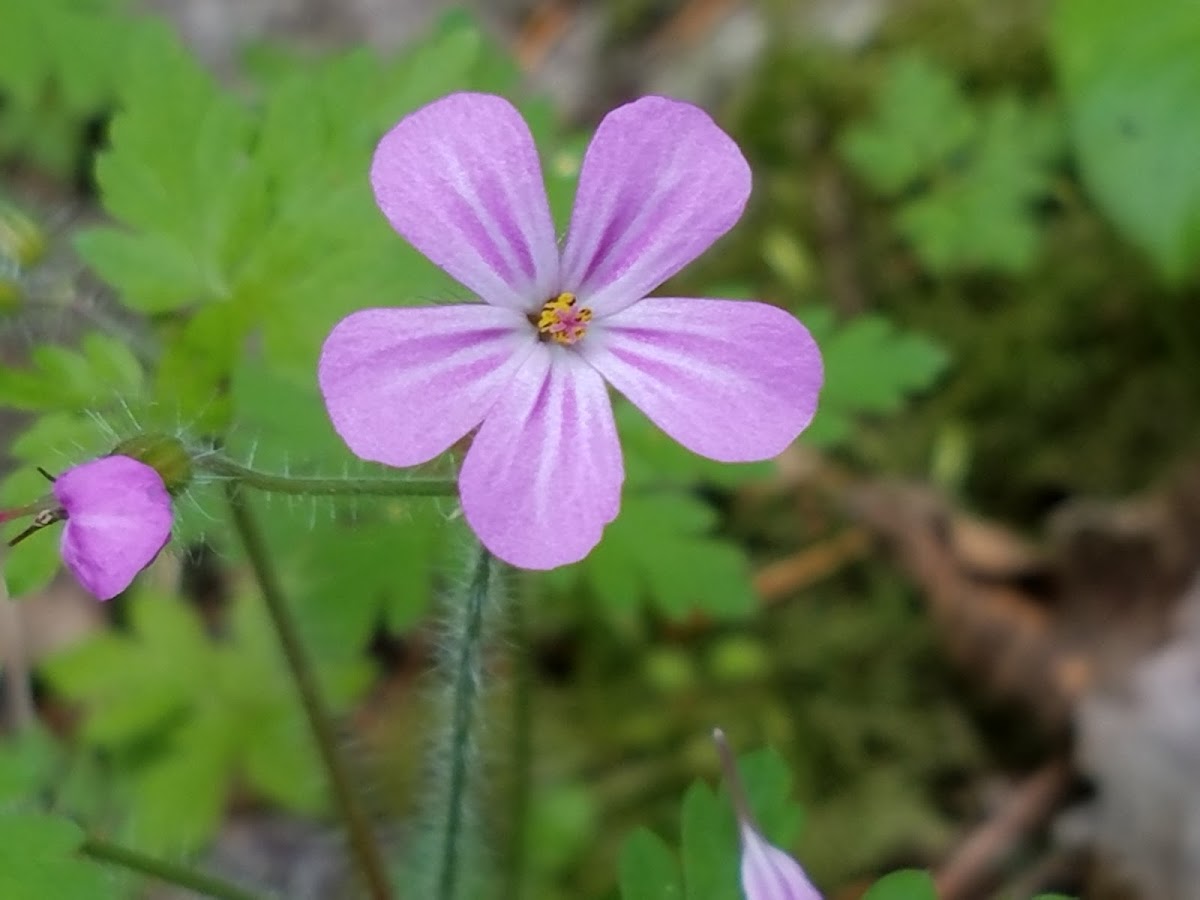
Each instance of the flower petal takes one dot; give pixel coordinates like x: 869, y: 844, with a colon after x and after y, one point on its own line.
x: 543, y: 475
x: 732, y: 380
x: 118, y: 519
x: 770, y: 874
x: 660, y: 182
x: 402, y: 385
x: 460, y: 179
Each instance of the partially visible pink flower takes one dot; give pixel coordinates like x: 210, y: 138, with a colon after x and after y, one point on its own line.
x: 767, y: 872
x: 118, y: 517
x: 529, y: 366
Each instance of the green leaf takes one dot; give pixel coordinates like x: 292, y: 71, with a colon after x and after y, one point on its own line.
x: 768, y: 782
x: 648, y: 870
x: 154, y: 272
x: 39, y: 859
x: 60, y: 61
x: 201, y: 714
x: 177, y: 174
x: 908, y: 884
x: 709, y: 846
x: 135, y: 685
x: 101, y: 370
x: 178, y: 799
x: 1131, y: 76
x: 980, y: 214
x: 870, y: 368
x: 31, y: 566
x: 968, y: 177
x: 921, y: 119
x: 29, y: 760
x: 660, y: 549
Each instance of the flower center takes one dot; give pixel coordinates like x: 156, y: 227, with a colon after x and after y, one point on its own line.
x: 561, y: 321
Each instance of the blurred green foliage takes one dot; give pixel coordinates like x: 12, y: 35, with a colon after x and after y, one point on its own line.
x: 185, y: 717
x: 38, y: 858
x: 905, y: 885
x: 1056, y: 360
x: 63, y: 379
x: 1131, y: 83
x: 60, y: 64
x: 967, y: 177
x: 870, y: 367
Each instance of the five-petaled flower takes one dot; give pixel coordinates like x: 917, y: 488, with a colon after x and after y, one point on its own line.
x: 118, y: 517
x: 460, y: 179
x: 767, y: 872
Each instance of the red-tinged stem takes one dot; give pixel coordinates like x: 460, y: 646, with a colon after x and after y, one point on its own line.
x: 20, y: 512
x: 737, y: 791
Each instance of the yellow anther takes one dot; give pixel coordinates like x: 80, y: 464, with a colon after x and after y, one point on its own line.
x: 562, y: 321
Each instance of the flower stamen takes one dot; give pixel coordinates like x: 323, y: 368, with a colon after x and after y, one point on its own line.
x: 561, y: 321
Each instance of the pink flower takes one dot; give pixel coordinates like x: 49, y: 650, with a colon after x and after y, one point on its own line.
x: 118, y: 515
x: 460, y: 180
x: 770, y: 874
x: 767, y: 872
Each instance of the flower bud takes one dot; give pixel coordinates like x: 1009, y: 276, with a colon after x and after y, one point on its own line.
x: 118, y: 517
x: 767, y: 872
x: 165, y: 454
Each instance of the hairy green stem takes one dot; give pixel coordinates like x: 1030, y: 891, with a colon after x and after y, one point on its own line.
x: 466, y: 643
x: 358, y: 827
x: 181, y: 876
x: 222, y: 466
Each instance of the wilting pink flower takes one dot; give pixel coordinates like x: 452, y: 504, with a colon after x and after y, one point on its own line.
x: 118, y: 517
x: 767, y: 872
x: 460, y: 179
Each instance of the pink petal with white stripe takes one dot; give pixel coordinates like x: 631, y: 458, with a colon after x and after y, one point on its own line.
x: 543, y: 475
x: 402, y: 385
x: 461, y: 181
x: 770, y: 874
x: 733, y: 380
x: 660, y: 183
x: 118, y: 519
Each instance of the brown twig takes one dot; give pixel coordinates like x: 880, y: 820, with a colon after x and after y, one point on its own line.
x: 812, y: 564
x: 694, y: 21
x: 541, y: 32
x: 975, y: 858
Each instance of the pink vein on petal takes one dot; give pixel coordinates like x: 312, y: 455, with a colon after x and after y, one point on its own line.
x: 403, y: 384
x: 733, y: 380
x: 460, y: 179
x: 543, y: 475
x: 118, y: 519
x: 660, y: 183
